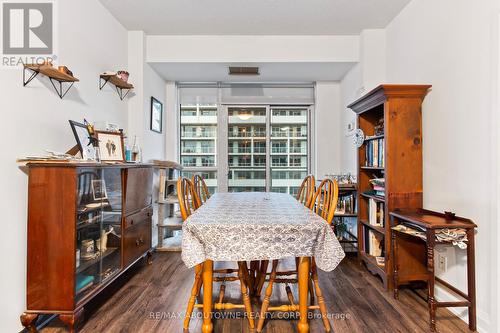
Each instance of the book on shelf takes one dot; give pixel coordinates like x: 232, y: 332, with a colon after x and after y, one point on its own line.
x: 376, y: 213
x: 375, y: 150
x: 380, y: 261
x: 378, y: 186
x: 83, y: 282
x: 375, y: 243
x: 345, y: 204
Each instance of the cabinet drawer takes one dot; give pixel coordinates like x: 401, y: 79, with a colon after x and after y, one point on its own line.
x: 139, y: 217
x: 139, y: 189
x: 136, y: 241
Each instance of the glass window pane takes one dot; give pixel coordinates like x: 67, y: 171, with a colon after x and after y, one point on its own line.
x: 289, y: 149
x: 198, y: 131
x: 247, y: 149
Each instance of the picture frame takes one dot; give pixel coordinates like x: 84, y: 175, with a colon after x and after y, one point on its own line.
x: 82, y: 136
x: 111, y: 147
x: 156, y: 117
x: 99, y: 189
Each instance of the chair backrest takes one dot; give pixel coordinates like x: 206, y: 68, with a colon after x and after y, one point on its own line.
x: 201, y: 189
x: 325, y: 199
x: 306, y: 191
x: 188, y: 202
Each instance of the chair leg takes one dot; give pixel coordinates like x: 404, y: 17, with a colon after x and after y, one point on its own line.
x: 267, y: 298
x: 195, y: 291
x: 261, y: 278
x: 243, y: 275
x: 319, y: 294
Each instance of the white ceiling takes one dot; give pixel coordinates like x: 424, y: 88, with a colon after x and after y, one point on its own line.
x: 269, y: 72
x: 254, y: 17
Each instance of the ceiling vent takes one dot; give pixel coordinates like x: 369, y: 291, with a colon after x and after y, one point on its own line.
x: 243, y: 70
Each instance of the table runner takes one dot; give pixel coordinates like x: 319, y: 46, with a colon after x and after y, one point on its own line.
x: 258, y: 226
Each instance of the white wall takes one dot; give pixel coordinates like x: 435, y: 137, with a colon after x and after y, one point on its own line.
x: 327, y: 128
x: 154, y: 143
x: 35, y: 119
x: 147, y: 84
x: 172, y: 122
x: 351, y: 88
x: 252, y: 48
x: 363, y: 77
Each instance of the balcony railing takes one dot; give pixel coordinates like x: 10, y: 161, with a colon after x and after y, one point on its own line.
x: 196, y: 164
x: 202, y: 150
x: 279, y: 134
x: 240, y: 164
x: 279, y: 164
x: 259, y: 150
x: 255, y: 134
x: 198, y: 135
x: 240, y: 150
x: 279, y: 150
x: 297, y: 150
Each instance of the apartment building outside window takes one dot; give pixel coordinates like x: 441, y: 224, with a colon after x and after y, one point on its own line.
x: 260, y: 147
x: 198, y: 141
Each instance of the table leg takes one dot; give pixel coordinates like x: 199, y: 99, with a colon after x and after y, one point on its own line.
x: 208, y: 267
x: 304, y: 270
x: 395, y: 261
x: 431, y: 239
x: 471, y: 279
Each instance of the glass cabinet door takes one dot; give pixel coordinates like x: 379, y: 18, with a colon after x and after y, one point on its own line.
x: 110, y: 240
x: 98, y: 227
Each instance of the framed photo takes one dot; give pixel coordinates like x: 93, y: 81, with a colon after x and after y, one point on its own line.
x: 99, y: 189
x: 82, y: 137
x: 156, y: 115
x: 111, y: 146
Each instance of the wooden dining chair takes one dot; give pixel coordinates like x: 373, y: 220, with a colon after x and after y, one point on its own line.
x: 323, y: 203
x: 306, y: 190
x: 201, y: 189
x: 188, y: 202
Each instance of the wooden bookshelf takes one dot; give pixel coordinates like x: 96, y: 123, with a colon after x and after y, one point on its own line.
x: 401, y: 108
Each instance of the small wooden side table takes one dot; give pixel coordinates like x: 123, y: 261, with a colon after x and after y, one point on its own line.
x: 414, y: 256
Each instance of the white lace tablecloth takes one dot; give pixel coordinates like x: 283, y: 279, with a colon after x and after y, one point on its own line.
x: 257, y: 226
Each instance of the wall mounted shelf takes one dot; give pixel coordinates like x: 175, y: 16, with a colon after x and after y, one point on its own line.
x: 53, y: 74
x: 119, y: 84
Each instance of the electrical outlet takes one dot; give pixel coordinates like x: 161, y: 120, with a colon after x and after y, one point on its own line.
x: 442, y: 263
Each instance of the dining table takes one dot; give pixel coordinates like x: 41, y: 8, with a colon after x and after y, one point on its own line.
x: 254, y: 226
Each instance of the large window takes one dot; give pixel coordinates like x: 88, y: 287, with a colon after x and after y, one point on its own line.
x: 289, y: 148
x: 238, y: 147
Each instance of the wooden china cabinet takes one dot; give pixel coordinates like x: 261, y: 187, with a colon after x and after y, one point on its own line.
x: 87, y: 224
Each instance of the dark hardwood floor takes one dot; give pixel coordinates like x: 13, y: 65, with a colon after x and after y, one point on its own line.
x: 152, y: 298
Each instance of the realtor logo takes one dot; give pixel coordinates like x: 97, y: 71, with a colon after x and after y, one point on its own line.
x: 28, y: 28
